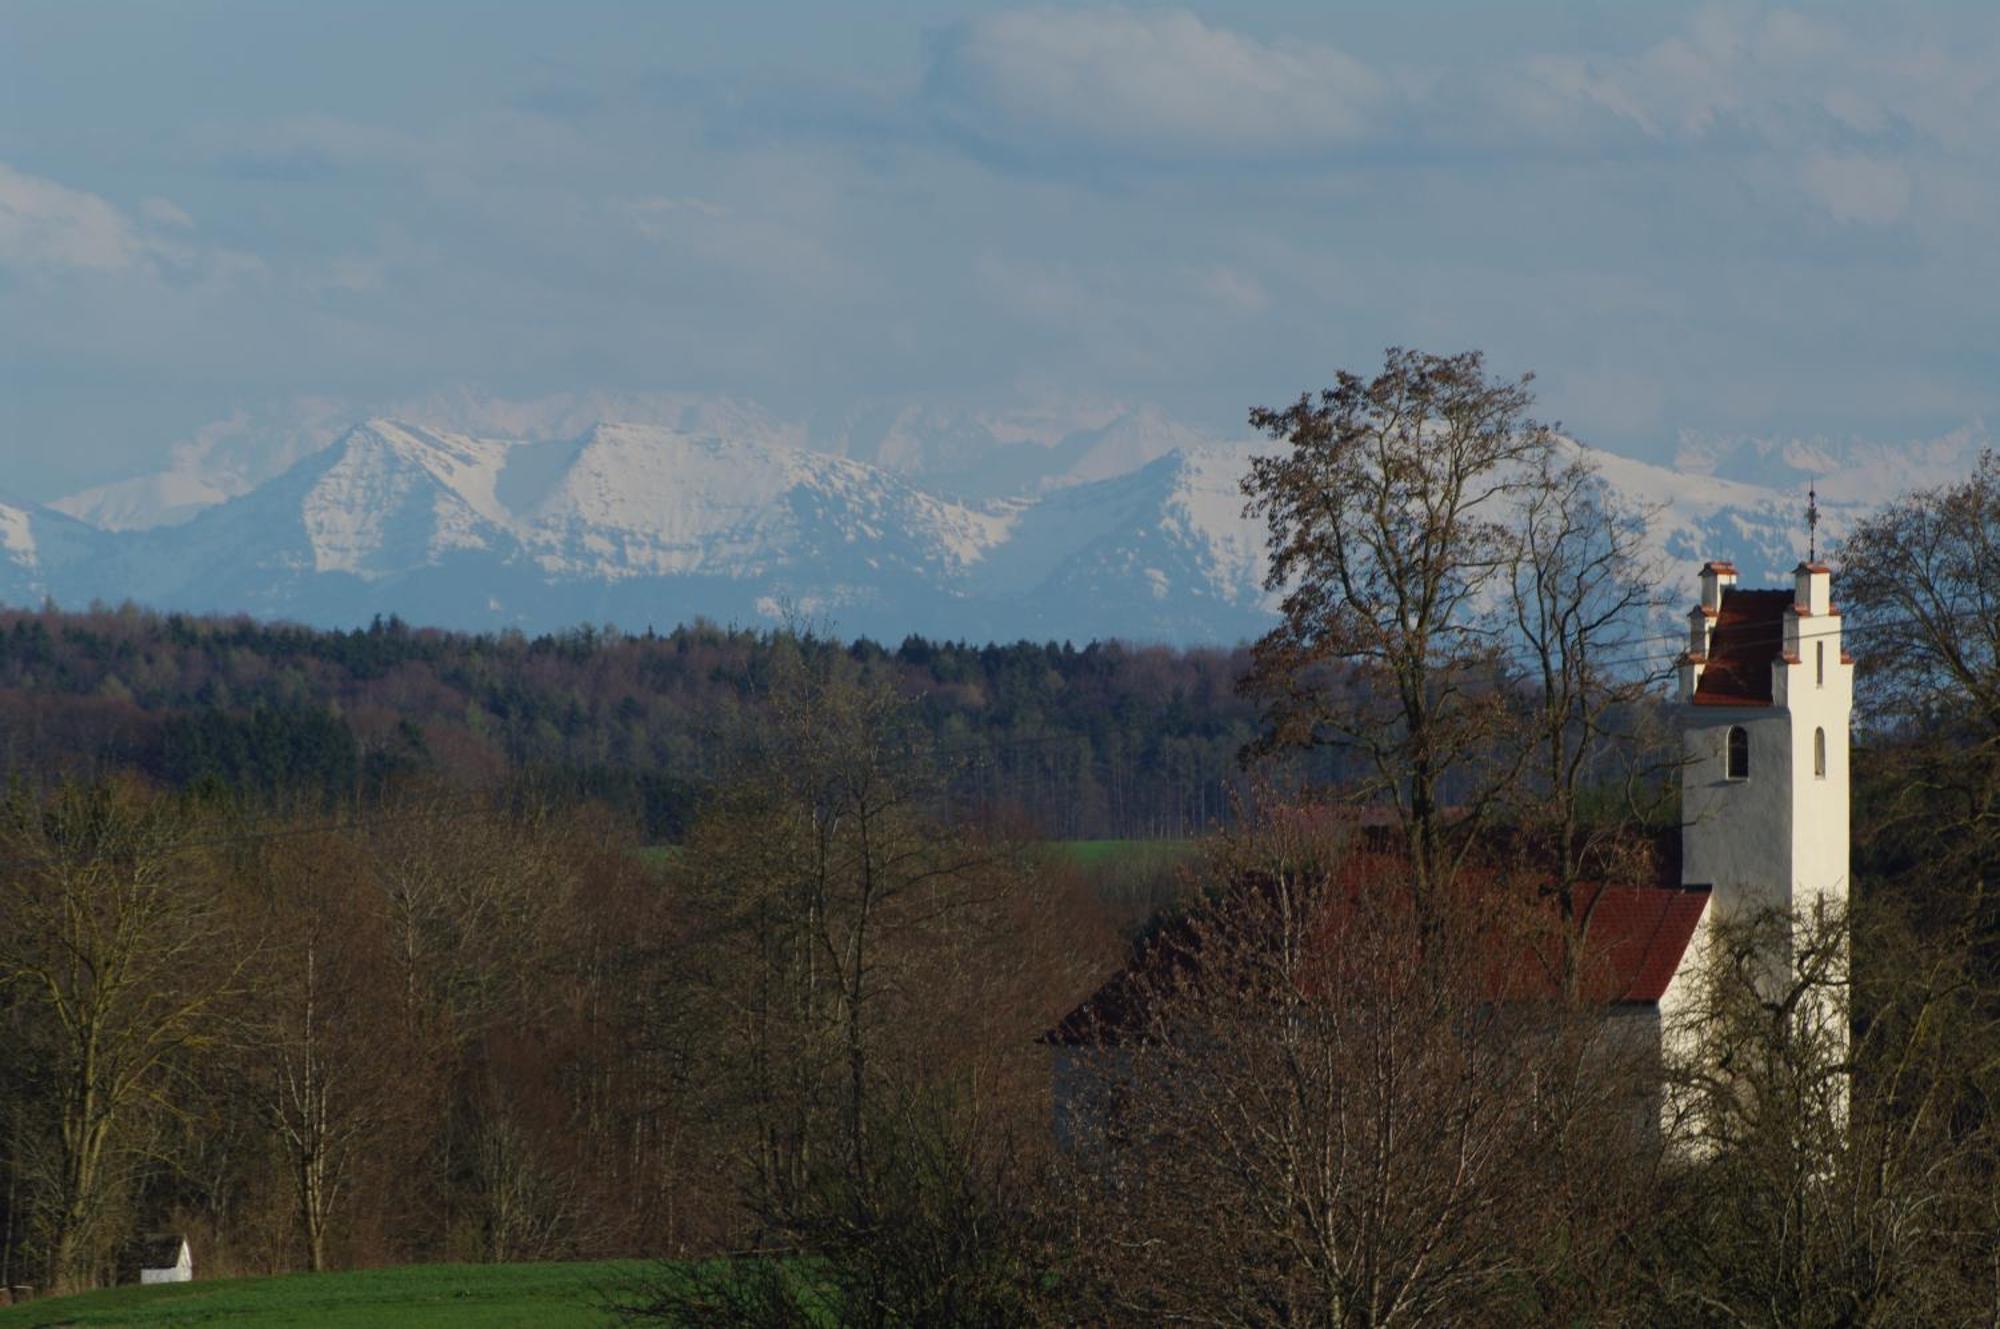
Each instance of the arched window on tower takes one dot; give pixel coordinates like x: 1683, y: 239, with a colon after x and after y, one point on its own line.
x: 1819, y: 753
x: 1738, y: 767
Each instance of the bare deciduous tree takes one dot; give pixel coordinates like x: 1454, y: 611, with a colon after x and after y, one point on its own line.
x: 109, y: 915
x: 330, y: 1075
x: 1391, y: 537
x: 1922, y: 575
x: 850, y: 944
x: 1325, y: 1117
x: 1582, y: 596
x: 1818, y: 1183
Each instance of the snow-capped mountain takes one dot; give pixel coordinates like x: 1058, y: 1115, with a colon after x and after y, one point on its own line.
x: 1692, y: 518
x: 651, y: 524
x: 39, y: 547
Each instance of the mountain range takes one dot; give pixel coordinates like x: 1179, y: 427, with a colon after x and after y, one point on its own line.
x: 1130, y: 527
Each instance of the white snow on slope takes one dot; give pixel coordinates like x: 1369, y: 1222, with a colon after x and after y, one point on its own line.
x: 650, y: 523
x: 644, y: 501
x: 17, y: 536
x: 396, y: 489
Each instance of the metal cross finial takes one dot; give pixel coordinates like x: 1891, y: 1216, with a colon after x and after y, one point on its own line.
x: 1812, y: 524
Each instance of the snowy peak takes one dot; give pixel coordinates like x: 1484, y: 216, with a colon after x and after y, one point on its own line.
x: 164, y: 499
x: 1132, y: 527
x: 628, y: 500
x: 387, y: 494
x: 37, y: 545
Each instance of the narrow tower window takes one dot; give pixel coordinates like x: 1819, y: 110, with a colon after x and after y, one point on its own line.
x: 1739, y: 753
x: 1819, y: 663
x: 1819, y: 753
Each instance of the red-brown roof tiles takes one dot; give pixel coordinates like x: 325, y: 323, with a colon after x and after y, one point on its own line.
x: 1749, y: 636
x: 1633, y: 937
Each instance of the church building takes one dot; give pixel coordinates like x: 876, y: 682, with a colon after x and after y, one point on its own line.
x: 1767, y: 691
x: 1765, y: 695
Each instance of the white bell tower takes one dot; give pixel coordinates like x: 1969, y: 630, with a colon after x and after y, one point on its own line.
x: 1766, y: 692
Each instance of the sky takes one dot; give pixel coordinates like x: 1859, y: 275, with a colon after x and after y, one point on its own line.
x: 1690, y: 221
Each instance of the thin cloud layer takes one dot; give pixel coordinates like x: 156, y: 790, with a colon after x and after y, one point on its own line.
x: 1160, y: 83
x: 1735, y: 220
x: 47, y: 227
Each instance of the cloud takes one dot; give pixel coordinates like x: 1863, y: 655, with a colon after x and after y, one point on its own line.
x: 311, y: 148
x: 49, y: 227
x: 654, y: 217
x: 165, y: 212
x: 1858, y: 189
x: 1764, y: 78
x: 1156, y: 83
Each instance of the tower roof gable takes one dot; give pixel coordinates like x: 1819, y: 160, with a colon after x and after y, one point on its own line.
x: 1749, y: 637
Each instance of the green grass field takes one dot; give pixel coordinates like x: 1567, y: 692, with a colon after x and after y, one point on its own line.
x: 1110, y: 853
x: 447, y: 1296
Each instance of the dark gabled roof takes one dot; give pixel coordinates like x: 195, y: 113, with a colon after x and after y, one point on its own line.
x: 157, y: 1250
x: 1749, y: 637
x: 1633, y: 938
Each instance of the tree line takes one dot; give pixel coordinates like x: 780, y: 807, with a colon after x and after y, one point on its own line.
x: 1094, y: 741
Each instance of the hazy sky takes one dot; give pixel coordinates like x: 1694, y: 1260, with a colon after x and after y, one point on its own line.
x: 1727, y: 220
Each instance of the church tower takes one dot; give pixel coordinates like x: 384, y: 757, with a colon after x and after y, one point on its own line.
x: 1766, y: 692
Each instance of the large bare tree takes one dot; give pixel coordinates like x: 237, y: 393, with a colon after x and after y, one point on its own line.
x: 110, y: 914
x: 1824, y: 1180
x: 1391, y: 514
x: 1583, y: 596
x: 330, y: 1075
x: 1314, y: 1122
x: 1921, y: 576
x: 872, y: 978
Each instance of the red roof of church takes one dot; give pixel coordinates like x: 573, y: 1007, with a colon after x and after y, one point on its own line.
x: 1633, y: 937
x: 1633, y: 940
x: 1749, y: 637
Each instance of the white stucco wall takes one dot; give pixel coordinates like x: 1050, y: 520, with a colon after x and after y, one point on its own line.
x: 1778, y: 840
x: 1819, y: 811
x: 1736, y: 835
x: 181, y: 1271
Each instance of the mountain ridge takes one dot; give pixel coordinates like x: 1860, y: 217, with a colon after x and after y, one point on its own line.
x: 643, y: 524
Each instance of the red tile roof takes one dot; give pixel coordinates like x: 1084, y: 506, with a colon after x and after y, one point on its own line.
x: 1633, y: 937
x: 1749, y: 636
x: 1633, y: 940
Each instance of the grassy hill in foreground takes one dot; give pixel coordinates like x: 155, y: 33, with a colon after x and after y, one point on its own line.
x: 448, y: 1296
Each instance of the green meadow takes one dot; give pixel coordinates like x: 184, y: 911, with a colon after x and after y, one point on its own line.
x: 432, y: 1296
x: 1114, y: 853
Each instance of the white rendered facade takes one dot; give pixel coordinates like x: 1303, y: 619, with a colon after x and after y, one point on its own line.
x: 1774, y: 836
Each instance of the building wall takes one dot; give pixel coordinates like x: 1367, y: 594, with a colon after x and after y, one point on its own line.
x: 1778, y: 840
x: 1819, y: 811
x: 1736, y: 835
x: 1085, y: 1084
x: 180, y: 1272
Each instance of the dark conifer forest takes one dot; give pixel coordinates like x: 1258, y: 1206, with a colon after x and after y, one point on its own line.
x: 1096, y: 741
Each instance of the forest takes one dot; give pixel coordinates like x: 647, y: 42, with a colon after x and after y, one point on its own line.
x: 1099, y: 741
x: 750, y: 952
